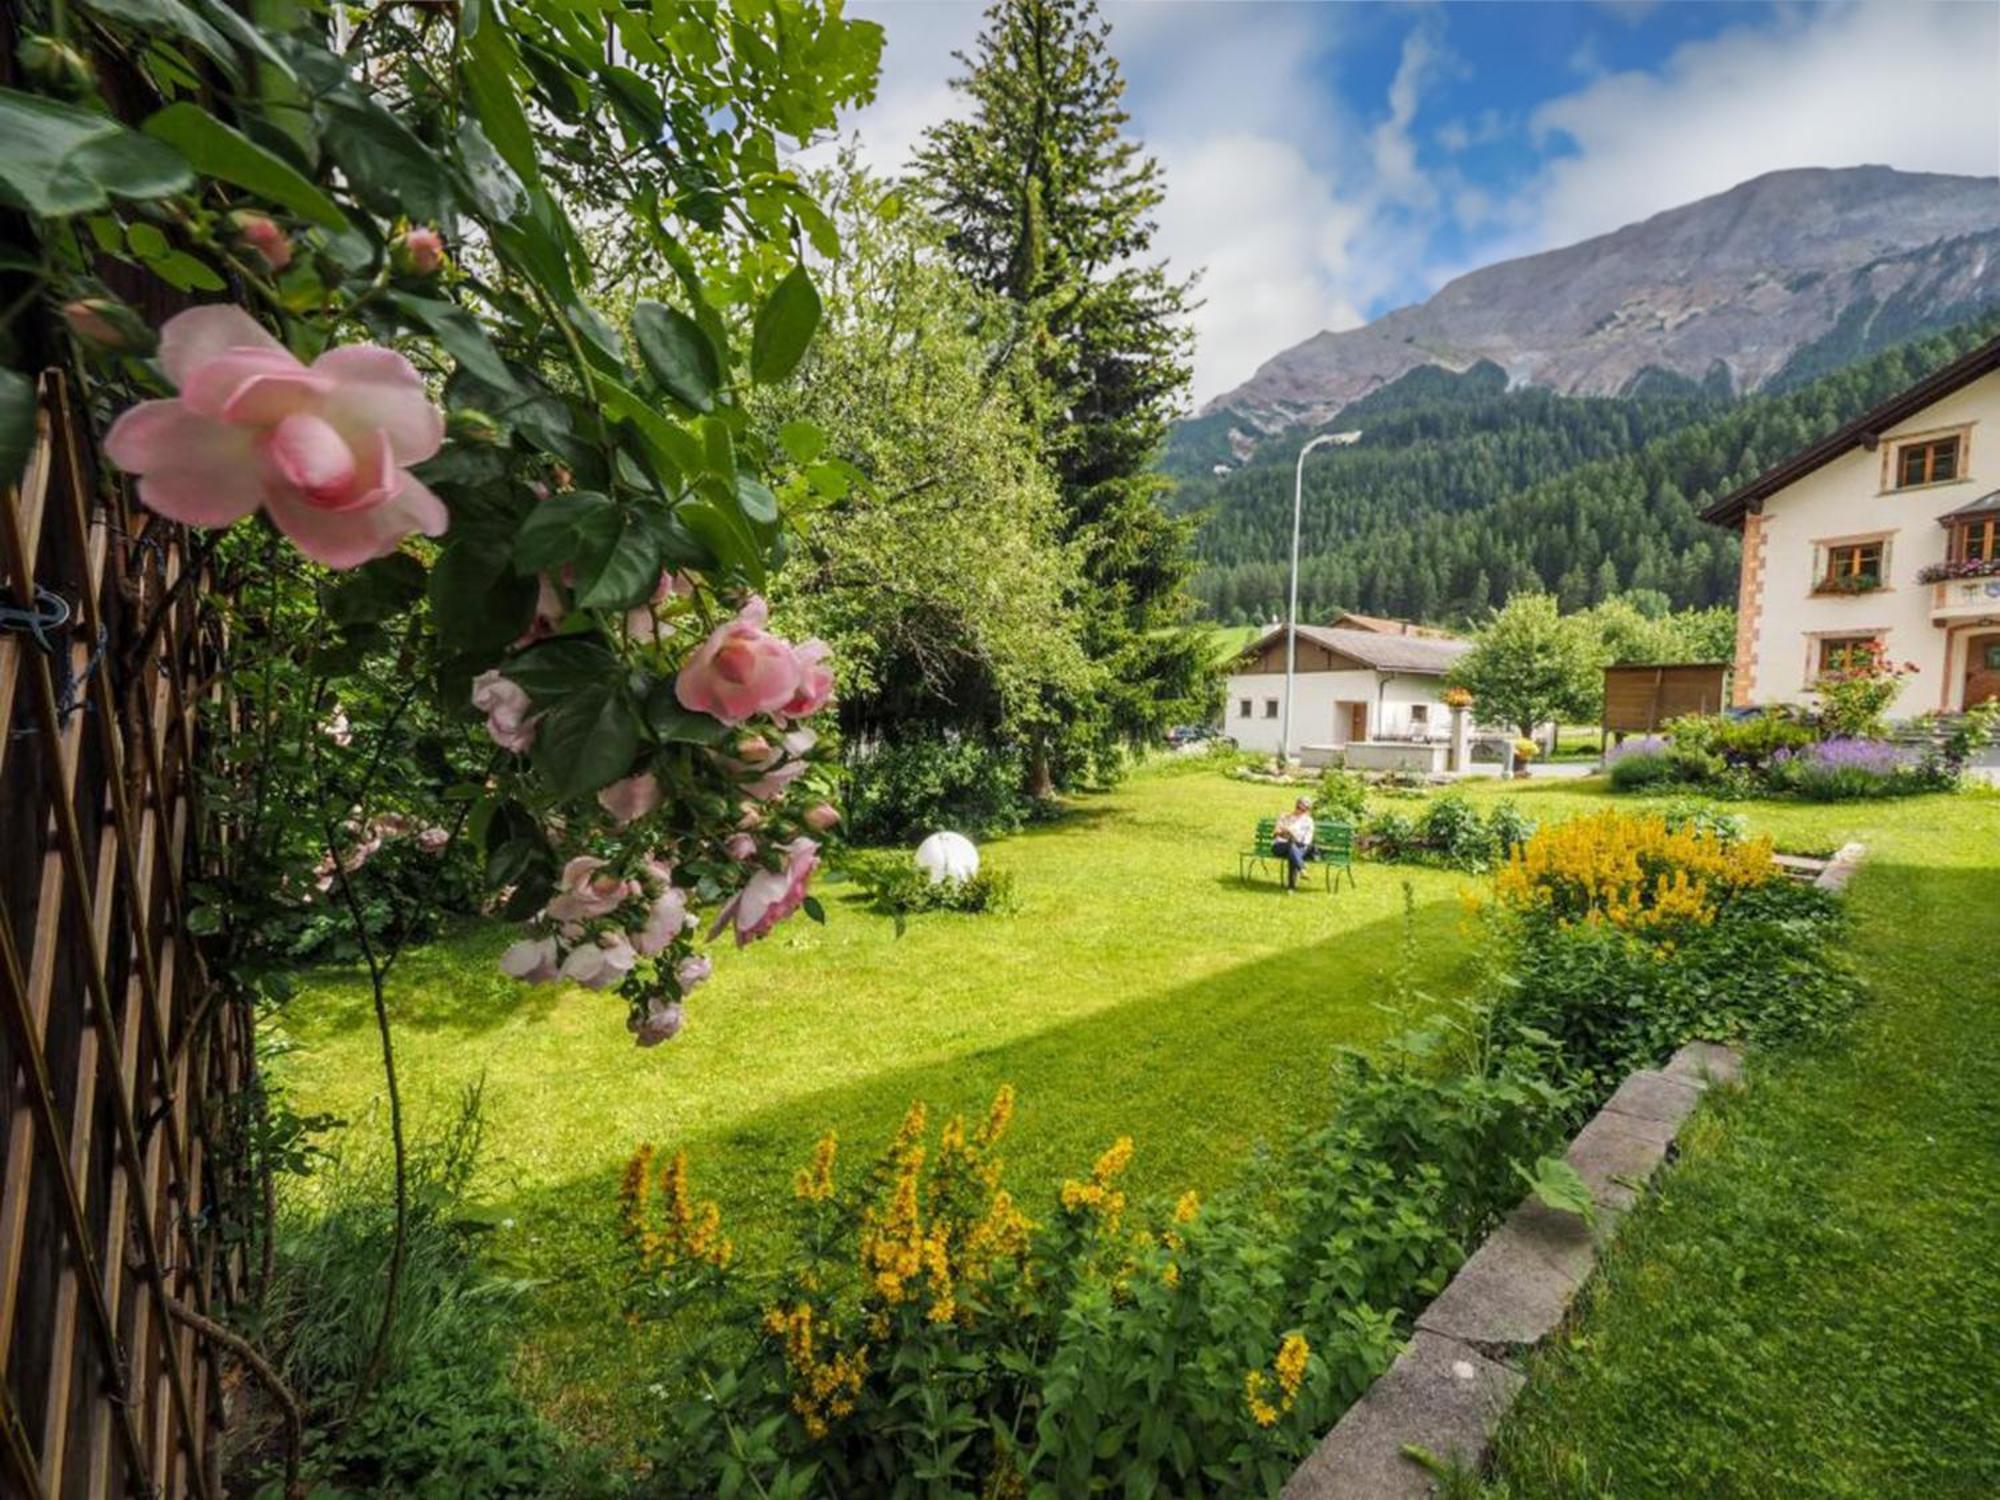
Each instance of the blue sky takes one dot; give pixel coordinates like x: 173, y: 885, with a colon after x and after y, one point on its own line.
x: 1327, y: 162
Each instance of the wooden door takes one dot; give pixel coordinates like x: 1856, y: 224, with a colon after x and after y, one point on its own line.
x: 1982, y: 670
x: 1355, y: 716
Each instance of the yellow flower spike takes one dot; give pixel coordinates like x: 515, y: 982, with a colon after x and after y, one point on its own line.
x: 1188, y: 1208
x: 1290, y: 1365
x: 999, y: 1115
x: 814, y: 1183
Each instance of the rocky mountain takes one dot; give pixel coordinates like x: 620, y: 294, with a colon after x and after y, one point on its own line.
x: 1779, y: 279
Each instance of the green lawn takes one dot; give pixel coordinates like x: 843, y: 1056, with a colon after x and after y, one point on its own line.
x: 1140, y: 989
x: 1811, y: 1305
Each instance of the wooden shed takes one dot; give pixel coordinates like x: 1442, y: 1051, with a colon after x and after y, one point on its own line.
x: 1639, y: 699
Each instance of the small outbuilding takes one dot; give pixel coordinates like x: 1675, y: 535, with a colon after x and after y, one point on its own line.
x: 1353, y: 687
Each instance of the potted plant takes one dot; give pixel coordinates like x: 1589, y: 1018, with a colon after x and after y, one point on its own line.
x: 1525, y: 750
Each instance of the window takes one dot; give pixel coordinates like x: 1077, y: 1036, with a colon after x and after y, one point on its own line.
x: 1846, y: 653
x: 1242, y: 708
x: 1270, y: 708
x: 1420, y: 714
x: 1976, y: 540
x: 1852, y: 568
x: 1932, y: 461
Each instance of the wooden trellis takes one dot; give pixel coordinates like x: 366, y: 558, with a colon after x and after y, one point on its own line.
x: 119, y: 1060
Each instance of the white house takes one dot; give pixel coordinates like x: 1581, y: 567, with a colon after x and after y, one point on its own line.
x: 1885, y: 533
x: 1381, y: 684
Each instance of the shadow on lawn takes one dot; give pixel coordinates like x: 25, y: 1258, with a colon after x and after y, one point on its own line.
x: 1198, y: 1074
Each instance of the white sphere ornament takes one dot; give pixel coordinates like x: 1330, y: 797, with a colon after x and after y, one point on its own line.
x: 947, y: 856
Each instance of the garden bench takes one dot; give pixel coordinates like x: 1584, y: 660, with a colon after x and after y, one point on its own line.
x: 1333, y: 849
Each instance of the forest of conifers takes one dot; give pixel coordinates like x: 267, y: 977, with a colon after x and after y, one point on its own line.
x: 1460, y: 492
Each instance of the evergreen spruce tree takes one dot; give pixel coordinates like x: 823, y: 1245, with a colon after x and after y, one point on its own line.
x: 1049, y: 202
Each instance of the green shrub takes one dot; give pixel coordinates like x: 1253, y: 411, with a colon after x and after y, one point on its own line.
x: 1510, y: 828
x: 897, y: 793
x: 896, y: 886
x: 1749, y: 741
x: 1452, y: 832
x: 1643, y: 771
x: 1342, y: 794
x: 1764, y: 971
x: 1692, y: 812
x: 1390, y: 835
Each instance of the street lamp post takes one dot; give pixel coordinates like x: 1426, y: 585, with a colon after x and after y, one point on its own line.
x: 1292, y: 609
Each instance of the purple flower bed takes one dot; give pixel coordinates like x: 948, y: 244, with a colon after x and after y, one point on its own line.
x: 1646, y: 744
x: 1877, y: 757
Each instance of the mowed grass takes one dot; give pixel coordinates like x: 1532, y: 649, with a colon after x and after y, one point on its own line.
x: 1811, y: 1304
x: 1140, y: 989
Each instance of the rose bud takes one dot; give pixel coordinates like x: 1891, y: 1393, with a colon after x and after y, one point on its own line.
x: 418, y: 252
x: 108, y: 326
x: 260, y: 233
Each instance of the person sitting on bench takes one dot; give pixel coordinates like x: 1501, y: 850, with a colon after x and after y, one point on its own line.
x: 1292, y: 841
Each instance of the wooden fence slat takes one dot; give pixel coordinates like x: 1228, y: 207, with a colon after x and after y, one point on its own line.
x: 104, y: 989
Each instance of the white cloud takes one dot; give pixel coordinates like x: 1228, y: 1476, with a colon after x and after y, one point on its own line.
x: 1274, y: 242
x: 1910, y: 86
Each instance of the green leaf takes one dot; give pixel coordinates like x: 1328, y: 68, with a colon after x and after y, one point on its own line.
x: 479, y: 601
x: 628, y: 571
x: 567, y: 528
x: 489, y: 75
x: 184, y: 273
x: 460, y: 333
x: 177, y: 20
x: 548, y: 672
x: 756, y: 500
x: 60, y: 160
x: 1559, y: 1185
x: 220, y: 152
x: 673, y: 725
x: 17, y: 424
x: 389, y: 168
x: 588, y: 740
x: 675, y: 453
x: 376, y: 591
x: 495, y: 190
x: 785, y: 326
x: 678, y: 354
x: 802, y: 440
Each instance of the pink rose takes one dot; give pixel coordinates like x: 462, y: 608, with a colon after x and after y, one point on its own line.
x: 589, y: 891
x: 798, y: 741
x: 771, y: 785
x: 419, y: 252
x: 693, y: 970
x: 324, y: 449
x: 673, y: 586
x: 740, y: 671
x: 433, y: 839
x: 549, y: 611
x: 740, y: 846
x: 510, y: 716
x: 631, y: 798
x: 661, y: 1022
x: 643, y: 625
x: 602, y: 964
x: 666, y: 919
x: 337, y: 729
x: 755, y: 749
x: 770, y: 896
x: 815, y: 684
x: 531, y: 959
x: 822, y: 816
x: 261, y: 235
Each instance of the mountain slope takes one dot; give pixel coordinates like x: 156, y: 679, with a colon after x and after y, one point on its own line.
x: 1458, y: 494
x: 1772, y: 282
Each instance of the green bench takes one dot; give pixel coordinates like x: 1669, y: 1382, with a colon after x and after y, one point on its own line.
x: 1333, y: 850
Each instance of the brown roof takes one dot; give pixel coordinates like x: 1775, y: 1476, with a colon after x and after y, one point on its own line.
x: 1861, y: 432
x: 1348, y: 619
x: 1421, y: 655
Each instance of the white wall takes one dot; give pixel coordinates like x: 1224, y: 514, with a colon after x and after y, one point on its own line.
x: 1319, y: 716
x: 1849, y: 499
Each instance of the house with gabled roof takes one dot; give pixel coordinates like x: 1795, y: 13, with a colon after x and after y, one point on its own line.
x: 1883, y: 534
x: 1351, y: 686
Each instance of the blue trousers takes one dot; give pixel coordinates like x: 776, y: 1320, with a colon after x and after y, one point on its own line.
x: 1294, y: 856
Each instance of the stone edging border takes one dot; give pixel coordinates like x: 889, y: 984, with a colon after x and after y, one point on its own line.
x: 1446, y: 1393
x: 1462, y: 1369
